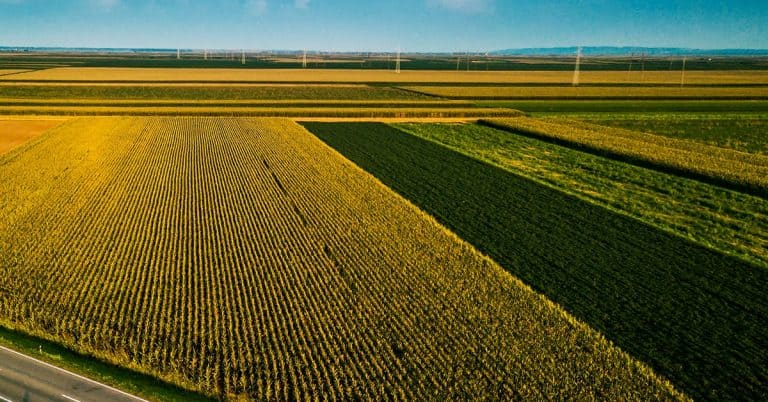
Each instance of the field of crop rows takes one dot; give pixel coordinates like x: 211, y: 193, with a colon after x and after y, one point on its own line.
x: 246, y: 258
x: 696, y: 316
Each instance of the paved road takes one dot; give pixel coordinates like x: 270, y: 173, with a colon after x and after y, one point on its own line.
x: 24, y: 379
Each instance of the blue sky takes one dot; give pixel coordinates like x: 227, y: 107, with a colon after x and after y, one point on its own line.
x: 413, y: 25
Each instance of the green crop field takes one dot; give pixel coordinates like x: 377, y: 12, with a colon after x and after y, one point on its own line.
x: 203, y: 92
x: 696, y: 316
x: 703, y: 213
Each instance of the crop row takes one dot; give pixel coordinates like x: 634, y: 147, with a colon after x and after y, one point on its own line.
x: 737, y: 170
x: 212, y: 92
x: 696, y: 316
x: 385, y: 112
x: 245, y: 258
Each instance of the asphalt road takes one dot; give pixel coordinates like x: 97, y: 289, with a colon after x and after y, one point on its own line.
x: 24, y: 379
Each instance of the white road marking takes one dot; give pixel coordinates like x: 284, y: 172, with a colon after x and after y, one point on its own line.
x: 70, y: 398
x: 72, y: 374
x: 4, y: 399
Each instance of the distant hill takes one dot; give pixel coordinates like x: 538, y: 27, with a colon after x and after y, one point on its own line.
x: 628, y: 51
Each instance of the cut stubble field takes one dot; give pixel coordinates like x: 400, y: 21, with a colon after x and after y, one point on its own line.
x: 244, y: 258
x: 15, y: 132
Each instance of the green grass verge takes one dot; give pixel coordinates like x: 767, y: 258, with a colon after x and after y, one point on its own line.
x: 696, y: 316
x: 638, y: 106
x: 132, y: 382
x: 746, y: 133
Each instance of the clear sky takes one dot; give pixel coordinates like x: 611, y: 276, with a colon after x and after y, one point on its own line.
x: 384, y: 25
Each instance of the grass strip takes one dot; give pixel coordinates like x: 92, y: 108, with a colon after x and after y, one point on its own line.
x: 732, y: 169
x: 696, y: 316
x: 139, y: 384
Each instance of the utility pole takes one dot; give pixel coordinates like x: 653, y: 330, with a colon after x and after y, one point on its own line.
x: 304, y: 60
x: 242, y: 61
x: 178, y: 54
x: 397, y: 63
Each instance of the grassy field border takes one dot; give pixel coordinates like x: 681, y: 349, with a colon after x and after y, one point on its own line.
x: 124, y: 379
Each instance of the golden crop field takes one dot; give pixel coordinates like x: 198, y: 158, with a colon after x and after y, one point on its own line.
x: 591, y: 92
x: 15, y: 132
x: 245, y: 258
x: 96, y: 74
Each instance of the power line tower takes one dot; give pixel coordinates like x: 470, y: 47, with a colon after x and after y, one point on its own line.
x: 682, y: 74
x: 577, y: 69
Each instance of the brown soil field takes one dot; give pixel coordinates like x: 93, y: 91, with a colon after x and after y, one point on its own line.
x: 357, y: 76
x: 14, y: 132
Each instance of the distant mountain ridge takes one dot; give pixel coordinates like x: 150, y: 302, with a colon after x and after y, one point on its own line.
x: 627, y: 51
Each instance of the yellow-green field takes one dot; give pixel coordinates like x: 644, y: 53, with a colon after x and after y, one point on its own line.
x: 97, y: 74
x: 560, y: 92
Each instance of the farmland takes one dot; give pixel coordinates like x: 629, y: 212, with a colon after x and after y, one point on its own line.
x: 245, y: 258
x: 704, y: 213
x: 733, y: 169
x: 694, y: 315
x: 181, y: 75
x: 15, y: 132
x: 609, y: 245
x: 741, y: 132
x: 593, y: 92
x: 202, y: 92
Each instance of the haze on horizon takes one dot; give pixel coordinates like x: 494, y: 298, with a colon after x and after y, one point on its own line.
x: 411, y: 25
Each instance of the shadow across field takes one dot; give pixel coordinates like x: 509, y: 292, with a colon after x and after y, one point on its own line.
x: 696, y: 316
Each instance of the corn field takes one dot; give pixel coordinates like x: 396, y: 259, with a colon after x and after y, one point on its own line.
x: 244, y: 258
